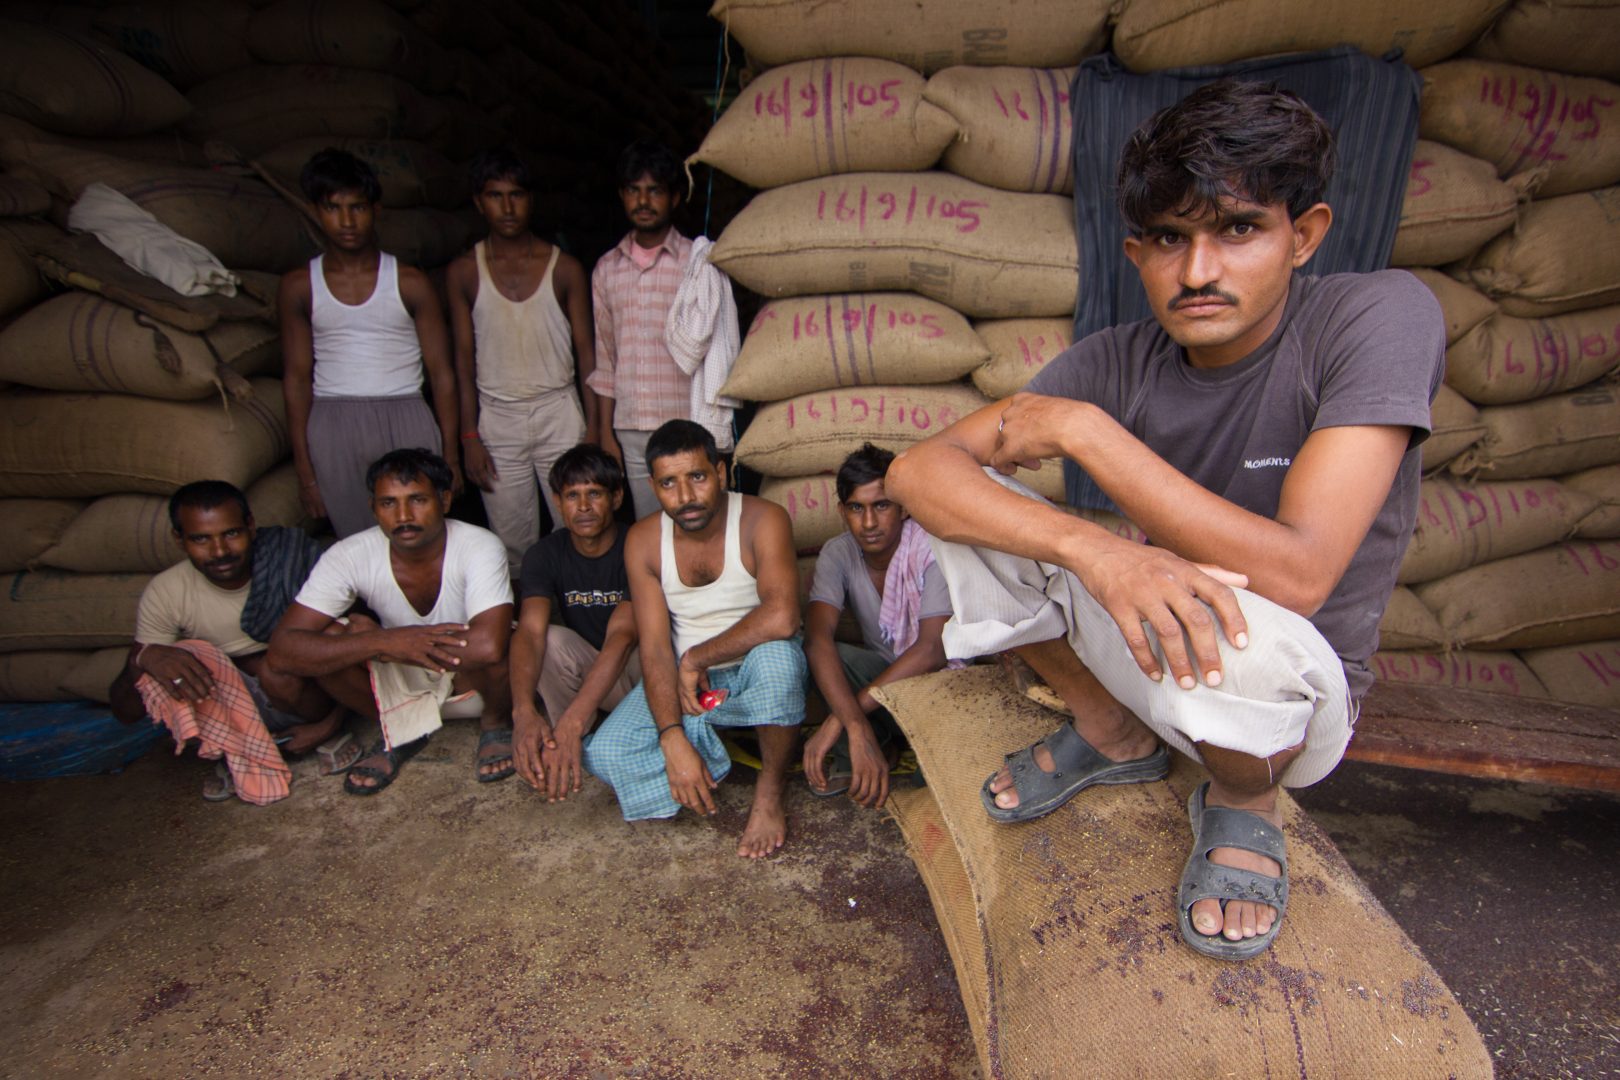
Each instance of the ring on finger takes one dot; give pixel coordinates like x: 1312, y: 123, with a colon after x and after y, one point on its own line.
x: 177, y: 681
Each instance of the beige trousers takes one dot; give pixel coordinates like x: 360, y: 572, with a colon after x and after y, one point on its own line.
x: 568, y: 658
x: 524, y: 439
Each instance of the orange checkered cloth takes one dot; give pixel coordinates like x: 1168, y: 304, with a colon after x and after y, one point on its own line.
x: 226, y: 723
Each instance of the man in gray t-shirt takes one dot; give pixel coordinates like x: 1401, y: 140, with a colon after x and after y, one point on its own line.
x: 883, y: 569
x: 1262, y: 430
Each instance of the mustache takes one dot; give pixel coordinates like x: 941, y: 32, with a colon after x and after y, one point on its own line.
x: 1208, y: 292
x: 399, y: 529
x: 691, y: 508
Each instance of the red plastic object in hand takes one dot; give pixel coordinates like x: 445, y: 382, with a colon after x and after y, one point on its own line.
x: 711, y: 699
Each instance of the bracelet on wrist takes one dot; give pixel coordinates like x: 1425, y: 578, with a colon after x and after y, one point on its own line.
x: 676, y: 726
x: 468, y: 436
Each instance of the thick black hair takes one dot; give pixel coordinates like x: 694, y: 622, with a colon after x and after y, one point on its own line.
x: 1230, y: 139
x: 652, y: 158
x: 206, y: 495
x: 586, y: 464
x: 678, y: 437
x: 865, y: 465
x: 500, y: 163
x: 407, y: 465
x: 332, y: 171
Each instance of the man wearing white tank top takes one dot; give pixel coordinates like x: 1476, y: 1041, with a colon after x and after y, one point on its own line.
x: 715, y: 592
x: 358, y: 332
x: 520, y: 312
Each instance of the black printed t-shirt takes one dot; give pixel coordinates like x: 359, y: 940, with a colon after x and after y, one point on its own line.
x: 1351, y: 349
x: 583, y: 591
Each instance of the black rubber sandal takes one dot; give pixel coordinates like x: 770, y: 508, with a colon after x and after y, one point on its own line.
x: 494, y: 735
x: 396, y: 758
x: 1076, y: 765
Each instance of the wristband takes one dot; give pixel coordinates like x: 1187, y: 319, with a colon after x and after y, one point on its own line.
x: 668, y: 728
x: 135, y: 660
x: 468, y: 436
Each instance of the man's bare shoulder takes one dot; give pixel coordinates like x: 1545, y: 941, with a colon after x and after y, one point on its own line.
x: 766, y: 522
x: 641, y: 544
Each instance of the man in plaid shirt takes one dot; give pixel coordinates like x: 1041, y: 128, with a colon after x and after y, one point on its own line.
x: 637, y: 383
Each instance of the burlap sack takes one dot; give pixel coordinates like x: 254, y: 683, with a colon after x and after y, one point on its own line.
x: 1560, y: 595
x: 804, y: 344
x: 31, y: 527
x: 1549, y: 437
x: 1564, y: 127
x: 1602, y: 522
x: 92, y: 677
x: 1070, y: 922
x: 20, y: 280
x: 1505, y: 360
x: 131, y: 534
x: 423, y: 236
x: 1462, y: 307
x: 38, y: 675
x: 239, y: 219
x: 1019, y: 348
x: 75, y: 445
x: 1461, y: 525
x: 813, y: 433
x: 22, y: 198
x: 812, y: 505
x: 411, y: 173
x: 65, y: 82
x: 264, y: 106
x: 1453, y: 204
x: 927, y: 35
x: 820, y: 117
x: 1462, y: 669
x: 1407, y: 624
x: 1151, y: 35
x: 1565, y: 255
x: 1017, y: 131
x: 986, y: 253
x: 48, y: 609
x: 1587, y: 674
x: 82, y: 342
x: 354, y: 33
x: 1455, y: 425
x: 1576, y: 36
x: 185, y: 41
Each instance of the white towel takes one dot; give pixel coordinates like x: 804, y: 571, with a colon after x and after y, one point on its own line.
x: 703, y: 337
x: 148, y: 245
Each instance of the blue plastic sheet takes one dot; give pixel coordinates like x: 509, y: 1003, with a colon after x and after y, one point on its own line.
x: 40, y: 740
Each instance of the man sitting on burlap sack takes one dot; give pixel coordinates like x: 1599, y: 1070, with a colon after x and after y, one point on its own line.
x: 1262, y: 430
x: 443, y: 607
x: 198, y: 662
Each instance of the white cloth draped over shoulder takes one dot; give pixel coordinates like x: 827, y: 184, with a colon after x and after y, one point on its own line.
x: 703, y: 337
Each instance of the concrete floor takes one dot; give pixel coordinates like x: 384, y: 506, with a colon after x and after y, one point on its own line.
x: 452, y: 929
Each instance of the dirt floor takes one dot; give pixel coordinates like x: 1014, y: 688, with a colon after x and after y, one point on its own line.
x: 446, y: 928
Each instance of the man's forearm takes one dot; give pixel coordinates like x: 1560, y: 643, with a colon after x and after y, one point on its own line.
x: 598, y: 682
x: 765, y: 623
x: 827, y: 668
x: 312, y: 653
x: 528, y: 659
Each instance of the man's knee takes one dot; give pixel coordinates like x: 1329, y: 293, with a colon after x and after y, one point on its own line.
x: 283, y: 691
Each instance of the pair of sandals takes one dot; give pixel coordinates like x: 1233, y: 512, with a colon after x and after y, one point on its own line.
x: 337, y: 755
x: 399, y: 755
x: 1076, y: 765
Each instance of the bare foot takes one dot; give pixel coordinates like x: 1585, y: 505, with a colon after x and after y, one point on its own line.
x: 1138, y: 744
x: 767, y: 824
x: 1242, y: 918
x: 302, y: 738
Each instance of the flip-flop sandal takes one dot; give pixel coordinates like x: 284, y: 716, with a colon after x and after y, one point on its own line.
x: 1218, y: 826
x: 219, y: 787
x: 840, y: 773
x: 396, y: 758
x: 338, y: 754
x: 494, y: 735
x: 1076, y: 765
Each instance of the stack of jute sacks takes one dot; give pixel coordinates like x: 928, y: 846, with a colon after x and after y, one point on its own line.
x: 901, y: 296
x: 202, y: 113
x: 1512, y: 581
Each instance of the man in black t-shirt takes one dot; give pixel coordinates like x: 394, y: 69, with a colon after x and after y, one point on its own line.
x: 576, y: 637
x: 1262, y: 430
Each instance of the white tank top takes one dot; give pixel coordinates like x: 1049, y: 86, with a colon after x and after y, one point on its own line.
x: 364, y: 350
x: 525, y: 348
x: 700, y: 612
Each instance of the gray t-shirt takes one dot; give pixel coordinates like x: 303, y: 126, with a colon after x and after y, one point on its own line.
x: 841, y: 579
x: 1351, y: 349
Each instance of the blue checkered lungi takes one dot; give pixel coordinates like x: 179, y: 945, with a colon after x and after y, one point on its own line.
x: 766, y: 688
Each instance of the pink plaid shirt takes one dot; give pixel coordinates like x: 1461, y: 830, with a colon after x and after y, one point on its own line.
x: 633, y: 365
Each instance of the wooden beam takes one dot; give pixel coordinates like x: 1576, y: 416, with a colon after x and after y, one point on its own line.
x: 1494, y: 736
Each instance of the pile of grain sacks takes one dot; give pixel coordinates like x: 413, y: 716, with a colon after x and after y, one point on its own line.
x: 199, y: 112
x: 914, y: 229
